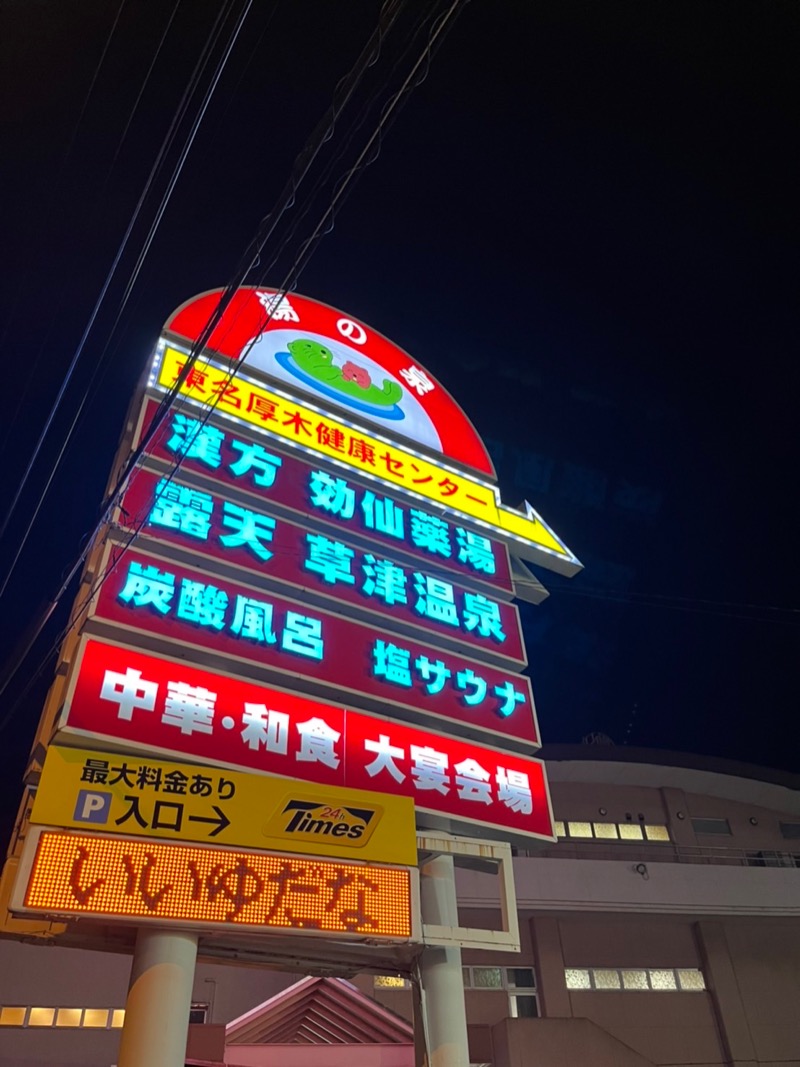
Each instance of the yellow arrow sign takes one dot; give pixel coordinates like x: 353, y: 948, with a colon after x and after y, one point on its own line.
x: 245, y: 400
x: 108, y: 792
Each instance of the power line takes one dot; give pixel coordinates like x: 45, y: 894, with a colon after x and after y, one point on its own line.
x: 324, y: 130
x: 166, y: 144
x: 55, y: 179
x: 307, y: 250
x: 55, y: 183
x: 695, y: 605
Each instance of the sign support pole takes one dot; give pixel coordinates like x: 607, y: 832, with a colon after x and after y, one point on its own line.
x: 440, y: 969
x: 159, y: 999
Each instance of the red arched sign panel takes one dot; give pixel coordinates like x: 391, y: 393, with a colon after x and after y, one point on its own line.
x: 337, y: 360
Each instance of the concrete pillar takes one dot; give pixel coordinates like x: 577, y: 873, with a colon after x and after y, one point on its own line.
x: 159, y: 999
x: 440, y: 970
x: 550, y: 984
x: 737, y: 1041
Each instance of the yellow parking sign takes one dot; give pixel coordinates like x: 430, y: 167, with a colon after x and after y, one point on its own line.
x: 108, y: 792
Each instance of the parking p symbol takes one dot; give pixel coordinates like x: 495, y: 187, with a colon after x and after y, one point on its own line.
x: 92, y: 806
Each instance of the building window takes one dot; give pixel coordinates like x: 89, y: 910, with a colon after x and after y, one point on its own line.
x: 711, y: 826
x: 655, y: 979
x: 95, y: 1017
x: 71, y: 1018
x: 198, y: 1012
x: 519, y: 983
x: 12, y: 1016
x: 656, y: 833
x: 41, y: 1016
x: 390, y: 981
x: 630, y: 831
x: 580, y: 829
x: 790, y: 830
x: 612, y: 831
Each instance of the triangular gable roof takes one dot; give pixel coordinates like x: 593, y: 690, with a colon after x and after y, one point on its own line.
x: 319, y: 1011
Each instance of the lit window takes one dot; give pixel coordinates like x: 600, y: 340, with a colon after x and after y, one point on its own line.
x: 691, y: 980
x: 579, y: 829
x: 656, y: 833
x: 630, y: 831
x: 612, y: 831
x: 97, y: 1017
x: 41, y: 1016
x: 577, y: 979
x: 663, y: 980
x: 12, y: 1016
x: 69, y: 1016
x: 606, y: 979
x: 635, y: 980
x: 389, y: 981
x: 75, y: 1018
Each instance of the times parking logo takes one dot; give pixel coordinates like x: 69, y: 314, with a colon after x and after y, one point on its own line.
x: 348, y: 824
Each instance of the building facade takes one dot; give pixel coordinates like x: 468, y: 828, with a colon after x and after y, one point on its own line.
x: 663, y: 928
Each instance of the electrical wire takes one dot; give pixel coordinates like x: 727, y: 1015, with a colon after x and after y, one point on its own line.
x: 325, y: 178
x: 307, y: 251
x: 695, y: 605
x: 388, y: 115
x: 177, y: 169
x: 323, y: 132
x: 165, y: 147
x: 54, y: 182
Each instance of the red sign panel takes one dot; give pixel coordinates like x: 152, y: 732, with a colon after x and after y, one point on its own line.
x: 155, y: 704
x: 278, y: 549
x: 223, y: 451
x: 314, y: 649
x: 337, y: 360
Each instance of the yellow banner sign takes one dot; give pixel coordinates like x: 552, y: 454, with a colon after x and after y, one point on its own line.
x: 104, y: 791
x: 245, y: 400
x: 72, y: 874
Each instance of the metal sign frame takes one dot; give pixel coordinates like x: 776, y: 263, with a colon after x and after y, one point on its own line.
x: 484, y: 855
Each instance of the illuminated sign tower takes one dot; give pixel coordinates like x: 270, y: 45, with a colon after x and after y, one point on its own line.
x: 294, y: 647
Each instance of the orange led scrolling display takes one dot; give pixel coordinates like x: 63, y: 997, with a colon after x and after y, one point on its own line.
x: 126, y: 878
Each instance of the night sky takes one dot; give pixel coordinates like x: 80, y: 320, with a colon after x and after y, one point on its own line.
x: 583, y: 223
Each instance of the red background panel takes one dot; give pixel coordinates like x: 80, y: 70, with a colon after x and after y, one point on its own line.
x: 86, y: 712
x: 347, y: 662
x: 287, y: 563
x: 290, y: 490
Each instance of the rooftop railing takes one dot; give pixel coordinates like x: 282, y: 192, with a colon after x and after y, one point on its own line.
x: 668, y: 852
